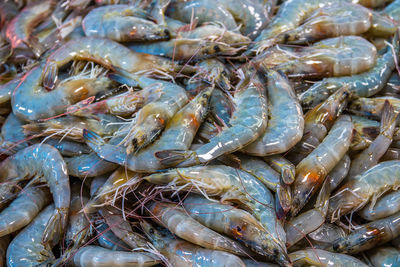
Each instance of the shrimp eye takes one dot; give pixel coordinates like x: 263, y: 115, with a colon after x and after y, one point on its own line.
x: 216, y: 48
x: 238, y: 229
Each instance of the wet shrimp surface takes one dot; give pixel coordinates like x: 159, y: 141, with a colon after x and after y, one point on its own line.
x: 203, y: 133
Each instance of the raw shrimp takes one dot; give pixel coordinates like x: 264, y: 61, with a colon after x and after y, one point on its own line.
x: 88, y: 165
x: 232, y: 185
x: 282, y: 166
x: 384, y: 256
x: 373, y: 107
x: 366, y: 131
x: 368, y: 186
x: 326, y: 234
x: 369, y: 235
x: 311, y: 171
x: 27, y: 249
x: 248, y: 122
x: 32, y: 102
x: 362, y: 85
x: 388, y: 205
x: 19, y: 30
x: 392, y: 87
x: 322, y: 258
x: 370, y: 156
x: 23, y: 209
x: 181, y: 253
x: 178, y: 222
x: 337, y: 174
x: 45, y: 164
x: 285, y: 123
x: 69, y: 148
x: 228, y: 220
x: 7, y: 89
x: 122, y: 23
x: 94, y: 256
x: 97, y: 182
x: 392, y: 11
x: 12, y: 137
x: 253, y: 263
x: 178, y: 134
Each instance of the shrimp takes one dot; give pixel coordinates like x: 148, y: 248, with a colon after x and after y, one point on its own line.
x: 178, y: 222
x: 45, y: 164
x: 32, y: 102
x: 235, y: 185
x: 392, y: 11
x: 107, y: 239
x: 373, y: 107
x: 19, y: 30
x: 122, y: 23
x: 178, y: 134
x: 337, y: 174
x: 95, y: 256
x: 107, y: 53
x: 7, y: 89
x: 27, y: 249
x: 311, y: 171
x: 368, y: 186
x: 69, y: 148
x: 285, y: 123
x: 322, y: 258
x: 333, y: 57
x: 12, y: 137
x: 365, y: 84
x: 369, y: 235
x: 384, y: 207
x: 253, y: 263
x: 384, y: 256
x: 88, y: 165
x: 286, y: 169
x: 228, y: 220
x: 248, y: 122
x: 96, y: 183
x: 366, y: 131
x: 181, y: 253
x: 23, y: 209
x: 392, y: 86
x: 370, y: 156
x: 326, y: 234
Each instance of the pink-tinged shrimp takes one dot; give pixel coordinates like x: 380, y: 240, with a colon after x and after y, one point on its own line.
x: 45, y: 164
x: 19, y: 30
x: 366, y: 187
x: 312, y: 171
x: 322, y: 258
x: 285, y: 124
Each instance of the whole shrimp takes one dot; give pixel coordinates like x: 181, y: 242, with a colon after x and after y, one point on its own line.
x: 27, y: 249
x: 181, y: 253
x: 369, y: 235
x: 285, y: 123
x: 95, y: 256
x: 311, y: 171
x: 178, y: 222
x: 364, y: 84
x: 122, y: 23
x: 366, y: 187
x: 322, y: 258
x: 248, y: 122
x: 385, y: 256
x: 45, y: 164
x: 238, y: 186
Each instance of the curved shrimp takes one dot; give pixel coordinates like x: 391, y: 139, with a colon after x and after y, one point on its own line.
x: 181, y: 253
x: 369, y: 235
x: 364, y: 84
x: 122, y: 23
x: 238, y: 186
x: 322, y: 258
x: 45, y: 163
x: 311, y: 171
x: 366, y: 187
x: 95, y: 256
x: 27, y: 249
x: 248, y: 122
x: 285, y: 123
x: 385, y: 256
x: 178, y: 222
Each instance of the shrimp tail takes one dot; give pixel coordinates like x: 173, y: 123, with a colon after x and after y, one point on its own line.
x: 92, y: 138
x: 175, y: 157
x: 37, y: 48
x: 287, y: 175
x: 55, y: 227
x: 50, y: 75
x: 389, y: 117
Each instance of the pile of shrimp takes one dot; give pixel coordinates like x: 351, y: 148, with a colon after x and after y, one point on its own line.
x: 199, y: 133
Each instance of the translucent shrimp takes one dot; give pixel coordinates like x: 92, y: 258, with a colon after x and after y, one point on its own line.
x: 326, y: 234
x: 364, y: 84
x: 181, y: 253
x: 283, y: 166
x: 178, y: 134
x: 23, y: 209
x: 312, y: 171
x: 69, y: 148
x: 285, y: 123
x: 122, y: 23
x: 178, y: 222
x: 384, y: 207
x: 339, y: 173
x: 228, y: 220
x: 27, y: 249
x: 392, y: 11
x: 88, y: 165
x: 322, y: 258
x: 370, y: 156
x: 248, y: 122
x: 19, y: 30
x: 232, y: 185
x: 12, y: 137
x: 372, y: 107
x: 45, y: 164
x: 339, y: 56
x: 384, y: 256
x: 366, y: 187
x: 32, y: 102
x: 369, y: 235
x: 94, y: 256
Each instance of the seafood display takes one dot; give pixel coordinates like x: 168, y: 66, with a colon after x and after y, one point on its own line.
x: 203, y: 133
